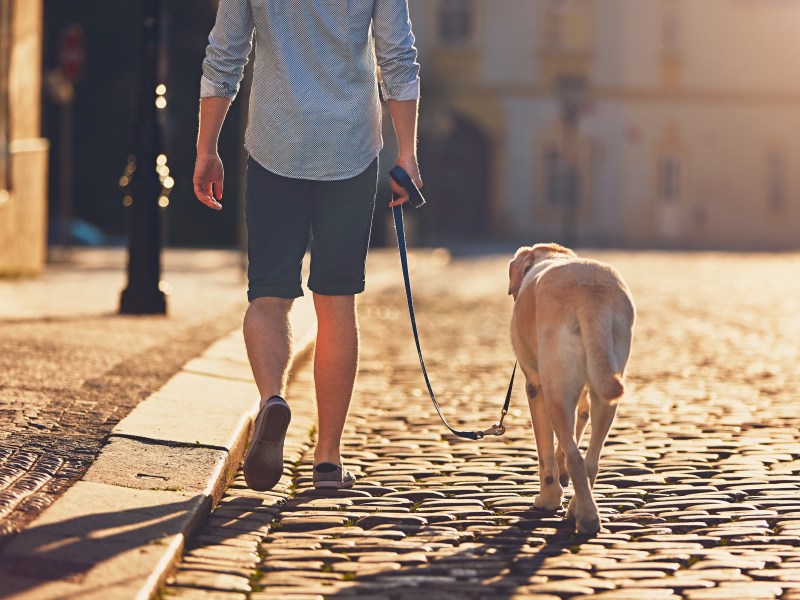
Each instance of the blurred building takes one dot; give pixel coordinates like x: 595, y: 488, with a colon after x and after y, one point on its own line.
x: 23, y: 153
x: 670, y: 123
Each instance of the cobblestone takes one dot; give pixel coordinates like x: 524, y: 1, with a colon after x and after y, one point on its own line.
x: 698, y: 485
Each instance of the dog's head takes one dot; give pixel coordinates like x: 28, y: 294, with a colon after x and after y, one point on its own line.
x: 528, y: 256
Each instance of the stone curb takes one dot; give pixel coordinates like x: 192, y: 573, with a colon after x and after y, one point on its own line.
x: 118, y: 531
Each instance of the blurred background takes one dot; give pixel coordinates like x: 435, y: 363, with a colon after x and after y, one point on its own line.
x: 623, y: 123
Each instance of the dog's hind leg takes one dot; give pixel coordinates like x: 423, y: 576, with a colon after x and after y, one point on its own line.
x: 603, y: 413
x: 550, y: 492
x: 580, y: 426
x: 562, y: 400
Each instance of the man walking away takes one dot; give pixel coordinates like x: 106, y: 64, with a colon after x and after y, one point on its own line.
x: 313, y: 137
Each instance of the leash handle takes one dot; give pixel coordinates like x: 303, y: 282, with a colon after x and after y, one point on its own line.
x: 403, y: 179
x: 499, y: 429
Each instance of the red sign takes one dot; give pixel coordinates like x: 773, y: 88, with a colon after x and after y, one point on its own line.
x: 72, y: 52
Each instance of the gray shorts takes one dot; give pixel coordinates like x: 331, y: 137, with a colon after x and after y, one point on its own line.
x: 284, y: 214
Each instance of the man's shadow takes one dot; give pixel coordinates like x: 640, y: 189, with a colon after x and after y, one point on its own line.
x: 68, y: 550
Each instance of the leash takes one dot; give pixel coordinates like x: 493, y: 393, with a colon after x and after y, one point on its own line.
x: 415, y: 197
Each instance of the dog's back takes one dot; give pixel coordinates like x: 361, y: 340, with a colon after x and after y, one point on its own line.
x: 584, y: 319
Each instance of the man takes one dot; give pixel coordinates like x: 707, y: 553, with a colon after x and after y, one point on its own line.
x: 313, y: 135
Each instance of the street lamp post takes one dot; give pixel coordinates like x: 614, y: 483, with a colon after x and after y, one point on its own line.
x: 571, y: 93
x: 143, y: 294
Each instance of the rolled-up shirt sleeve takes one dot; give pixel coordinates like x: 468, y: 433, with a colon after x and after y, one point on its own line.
x: 395, y: 51
x: 229, y: 46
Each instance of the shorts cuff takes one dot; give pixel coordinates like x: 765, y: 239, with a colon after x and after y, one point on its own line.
x: 274, y: 291
x: 337, y: 289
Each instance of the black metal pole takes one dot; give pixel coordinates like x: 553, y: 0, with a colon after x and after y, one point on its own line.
x: 143, y: 296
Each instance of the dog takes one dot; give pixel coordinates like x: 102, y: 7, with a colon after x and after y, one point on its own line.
x: 571, y: 330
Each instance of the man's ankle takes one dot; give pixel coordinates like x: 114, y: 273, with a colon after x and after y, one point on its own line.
x: 266, y: 399
x: 327, y: 457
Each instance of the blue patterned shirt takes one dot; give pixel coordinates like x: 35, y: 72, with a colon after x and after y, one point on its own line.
x: 314, y: 106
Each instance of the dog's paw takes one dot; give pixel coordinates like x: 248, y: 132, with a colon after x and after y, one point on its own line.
x: 586, y: 518
x: 588, y: 526
x: 570, y: 514
x: 549, y: 503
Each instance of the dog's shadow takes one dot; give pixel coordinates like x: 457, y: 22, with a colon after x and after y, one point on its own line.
x: 494, y: 565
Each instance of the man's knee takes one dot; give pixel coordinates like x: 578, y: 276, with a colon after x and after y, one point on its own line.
x: 334, y: 307
x: 267, y: 306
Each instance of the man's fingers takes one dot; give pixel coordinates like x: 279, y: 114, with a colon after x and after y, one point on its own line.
x: 398, y: 200
x: 397, y: 189
x: 203, y: 192
x: 208, y: 180
x: 210, y: 202
x: 399, y: 195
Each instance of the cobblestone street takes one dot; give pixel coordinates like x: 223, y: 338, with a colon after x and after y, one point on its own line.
x: 699, y: 481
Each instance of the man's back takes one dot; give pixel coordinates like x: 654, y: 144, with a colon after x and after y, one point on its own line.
x: 314, y: 105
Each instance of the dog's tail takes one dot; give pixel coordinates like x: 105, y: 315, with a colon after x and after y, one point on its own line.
x: 597, y: 336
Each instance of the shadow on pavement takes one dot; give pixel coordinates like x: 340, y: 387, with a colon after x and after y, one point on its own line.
x: 493, y: 565
x: 68, y: 550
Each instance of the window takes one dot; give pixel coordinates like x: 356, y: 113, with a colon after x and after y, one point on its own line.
x: 775, y: 182
x: 562, y: 179
x: 669, y: 180
x: 456, y: 21
x: 568, y: 25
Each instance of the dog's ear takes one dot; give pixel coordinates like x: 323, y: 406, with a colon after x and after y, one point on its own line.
x: 518, y: 267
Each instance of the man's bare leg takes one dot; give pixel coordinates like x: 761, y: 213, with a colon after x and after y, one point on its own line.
x: 335, y: 366
x: 268, y: 336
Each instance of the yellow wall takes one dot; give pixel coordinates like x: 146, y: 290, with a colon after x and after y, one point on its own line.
x: 23, y: 208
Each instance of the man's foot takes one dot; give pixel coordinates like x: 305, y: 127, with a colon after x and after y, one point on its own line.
x: 263, y: 463
x: 330, y: 476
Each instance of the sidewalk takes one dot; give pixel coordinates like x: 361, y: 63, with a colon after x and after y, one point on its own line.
x: 71, y: 367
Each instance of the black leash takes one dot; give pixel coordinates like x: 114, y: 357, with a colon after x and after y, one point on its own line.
x: 415, y: 197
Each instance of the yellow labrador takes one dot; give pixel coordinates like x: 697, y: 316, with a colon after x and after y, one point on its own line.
x: 571, y: 330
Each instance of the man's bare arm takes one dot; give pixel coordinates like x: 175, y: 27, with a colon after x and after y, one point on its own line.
x: 404, y: 118
x: 209, y: 175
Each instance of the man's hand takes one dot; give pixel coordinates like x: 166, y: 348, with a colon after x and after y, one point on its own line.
x: 208, y: 180
x: 409, y: 165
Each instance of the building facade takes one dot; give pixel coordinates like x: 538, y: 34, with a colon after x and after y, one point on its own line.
x: 23, y: 152
x: 667, y: 123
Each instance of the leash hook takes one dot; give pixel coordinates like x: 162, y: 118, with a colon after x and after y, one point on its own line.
x: 498, y: 429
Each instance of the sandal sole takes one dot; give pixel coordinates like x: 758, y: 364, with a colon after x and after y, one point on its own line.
x: 263, y: 463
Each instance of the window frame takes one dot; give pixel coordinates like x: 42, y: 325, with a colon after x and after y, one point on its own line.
x: 465, y: 10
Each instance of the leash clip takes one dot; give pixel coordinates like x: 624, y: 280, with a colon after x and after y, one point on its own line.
x: 498, y: 429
